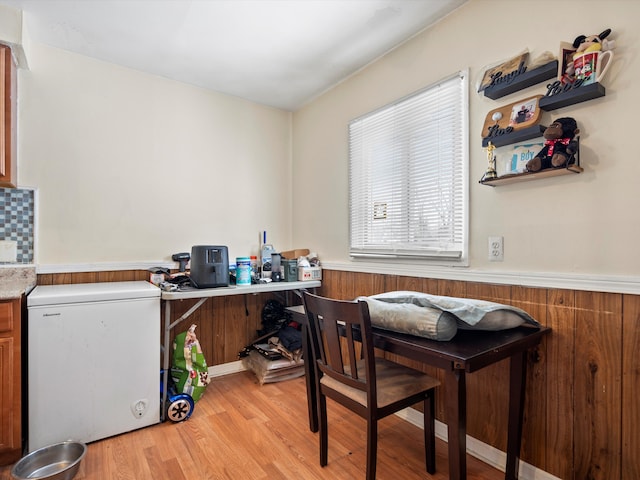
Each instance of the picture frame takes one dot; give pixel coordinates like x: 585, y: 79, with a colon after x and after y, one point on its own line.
x: 522, y: 113
x: 565, y: 58
x: 513, y: 160
x: 510, y: 117
x: 505, y: 67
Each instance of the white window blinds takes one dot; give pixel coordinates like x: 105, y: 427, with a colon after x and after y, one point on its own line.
x: 408, y: 177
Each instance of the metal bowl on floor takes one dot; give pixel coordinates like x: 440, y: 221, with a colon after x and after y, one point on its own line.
x: 56, y: 462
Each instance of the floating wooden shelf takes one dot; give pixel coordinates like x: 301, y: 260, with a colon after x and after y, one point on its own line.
x: 577, y: 95
x: 521, y: 135
x: 522, y: 177
x: 527, y: 79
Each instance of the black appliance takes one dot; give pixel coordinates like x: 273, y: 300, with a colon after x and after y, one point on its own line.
x: 209, y: 266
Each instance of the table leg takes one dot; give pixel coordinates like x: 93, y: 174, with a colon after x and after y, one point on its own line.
x: 517, y: 383
x: 456, y: 410
x: 165, y: 360
x: 310, y: 376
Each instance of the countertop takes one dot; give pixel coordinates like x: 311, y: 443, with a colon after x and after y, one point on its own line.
x: 16, y: 281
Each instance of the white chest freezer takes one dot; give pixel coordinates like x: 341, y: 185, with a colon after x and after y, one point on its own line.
x: 93, y: 361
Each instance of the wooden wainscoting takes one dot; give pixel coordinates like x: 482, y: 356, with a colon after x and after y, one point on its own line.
x: 582, y: 417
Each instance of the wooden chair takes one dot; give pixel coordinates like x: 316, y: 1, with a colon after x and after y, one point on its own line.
x: 373, y: 390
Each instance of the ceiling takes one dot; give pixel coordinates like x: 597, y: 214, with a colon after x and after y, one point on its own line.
x: 281, y: 53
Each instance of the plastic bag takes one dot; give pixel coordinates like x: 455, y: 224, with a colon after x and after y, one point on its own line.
x: 189, y: 368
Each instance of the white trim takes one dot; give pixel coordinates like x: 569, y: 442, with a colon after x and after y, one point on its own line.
x: 226, y: 369
x: 482, y: 451
x: 588, y: 282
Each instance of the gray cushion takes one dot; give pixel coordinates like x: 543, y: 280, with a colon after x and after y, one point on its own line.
x: 470, y: 313
x: 412, y: 319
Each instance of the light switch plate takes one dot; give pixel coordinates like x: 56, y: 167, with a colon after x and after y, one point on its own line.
x: 8, y: 251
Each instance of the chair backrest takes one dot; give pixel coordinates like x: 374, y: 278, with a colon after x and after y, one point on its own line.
x: 332, y: 320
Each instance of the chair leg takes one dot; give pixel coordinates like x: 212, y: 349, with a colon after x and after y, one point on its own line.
x: 372, y: 447
x: 430, y: 432
x: 322, y: 429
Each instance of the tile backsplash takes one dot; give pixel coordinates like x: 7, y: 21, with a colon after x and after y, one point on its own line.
x: 17, y: 218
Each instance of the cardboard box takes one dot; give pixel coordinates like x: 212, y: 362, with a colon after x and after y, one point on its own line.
x: 306, y: 274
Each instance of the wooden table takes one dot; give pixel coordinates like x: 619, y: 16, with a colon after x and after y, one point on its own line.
x: 467, y: 352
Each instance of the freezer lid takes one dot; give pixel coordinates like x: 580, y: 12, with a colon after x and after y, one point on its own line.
x: 90, y: 292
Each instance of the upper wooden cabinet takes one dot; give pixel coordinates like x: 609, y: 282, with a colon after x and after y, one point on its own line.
x: 8, y: 157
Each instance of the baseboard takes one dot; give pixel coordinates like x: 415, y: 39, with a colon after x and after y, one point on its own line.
x: 226, y: 369
x: 486, y: 453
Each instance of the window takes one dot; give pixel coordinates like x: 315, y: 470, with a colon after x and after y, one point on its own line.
x: 408, y: 176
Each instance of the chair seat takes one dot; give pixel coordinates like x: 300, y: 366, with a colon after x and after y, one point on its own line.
x: 395, y: 382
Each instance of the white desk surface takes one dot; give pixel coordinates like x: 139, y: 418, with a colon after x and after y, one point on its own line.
x: 238, y: 290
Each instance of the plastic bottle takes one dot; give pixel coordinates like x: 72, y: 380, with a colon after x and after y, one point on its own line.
x: 243, y: 271
x: 265, y: 256
x: 254, y: 266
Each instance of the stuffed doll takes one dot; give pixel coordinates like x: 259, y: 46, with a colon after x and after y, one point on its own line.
x: 585, y: 44
x: 593, y: 43
x: 559, y: 145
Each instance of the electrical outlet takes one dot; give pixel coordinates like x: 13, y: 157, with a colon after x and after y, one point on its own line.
x: 496, y: 249
x: 139, y: 407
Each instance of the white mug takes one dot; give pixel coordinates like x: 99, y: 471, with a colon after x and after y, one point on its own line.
x: 590, y: 67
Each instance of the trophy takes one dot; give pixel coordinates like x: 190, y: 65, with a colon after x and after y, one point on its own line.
x: 491, y: 173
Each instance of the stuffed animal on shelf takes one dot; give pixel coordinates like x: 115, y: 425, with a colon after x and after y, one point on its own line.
x: 593, y: 43
x: 559, y: 145
x: 586, y: 44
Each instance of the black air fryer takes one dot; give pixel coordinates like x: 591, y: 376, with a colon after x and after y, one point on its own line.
x: 209, y: 266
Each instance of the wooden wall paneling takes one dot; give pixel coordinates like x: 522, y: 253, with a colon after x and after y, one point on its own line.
x: 236, y: 325
x: 334, y: 283
x: 431, y: 285
x: 489, y: 292
x: 345, y: 288
x: 378, y: 284
x: 630, y: 460
x: 388, y: 283
x: 364, y: 284
x: 62, y: 278
x: 216, y: 314
x: 452, y: 288
x: 206, y: 320
x: 534, y: 433
x: 328, y: 278
x: 122, y: 276
x: 91, y: 277
x: 598, y: 378
x: 414, y: 284
x: 178, y: 308
x: 561, y: 345
x: 487, y: 418
x: 44, y: 279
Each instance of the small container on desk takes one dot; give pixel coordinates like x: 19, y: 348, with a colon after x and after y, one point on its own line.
x: 290, y: 270
x: 306, y: 274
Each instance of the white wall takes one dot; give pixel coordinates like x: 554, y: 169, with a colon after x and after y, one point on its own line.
x: 585, y: 224
x: 132, y: 167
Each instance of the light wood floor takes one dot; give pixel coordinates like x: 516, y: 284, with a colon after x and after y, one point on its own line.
x: 241, y: 430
